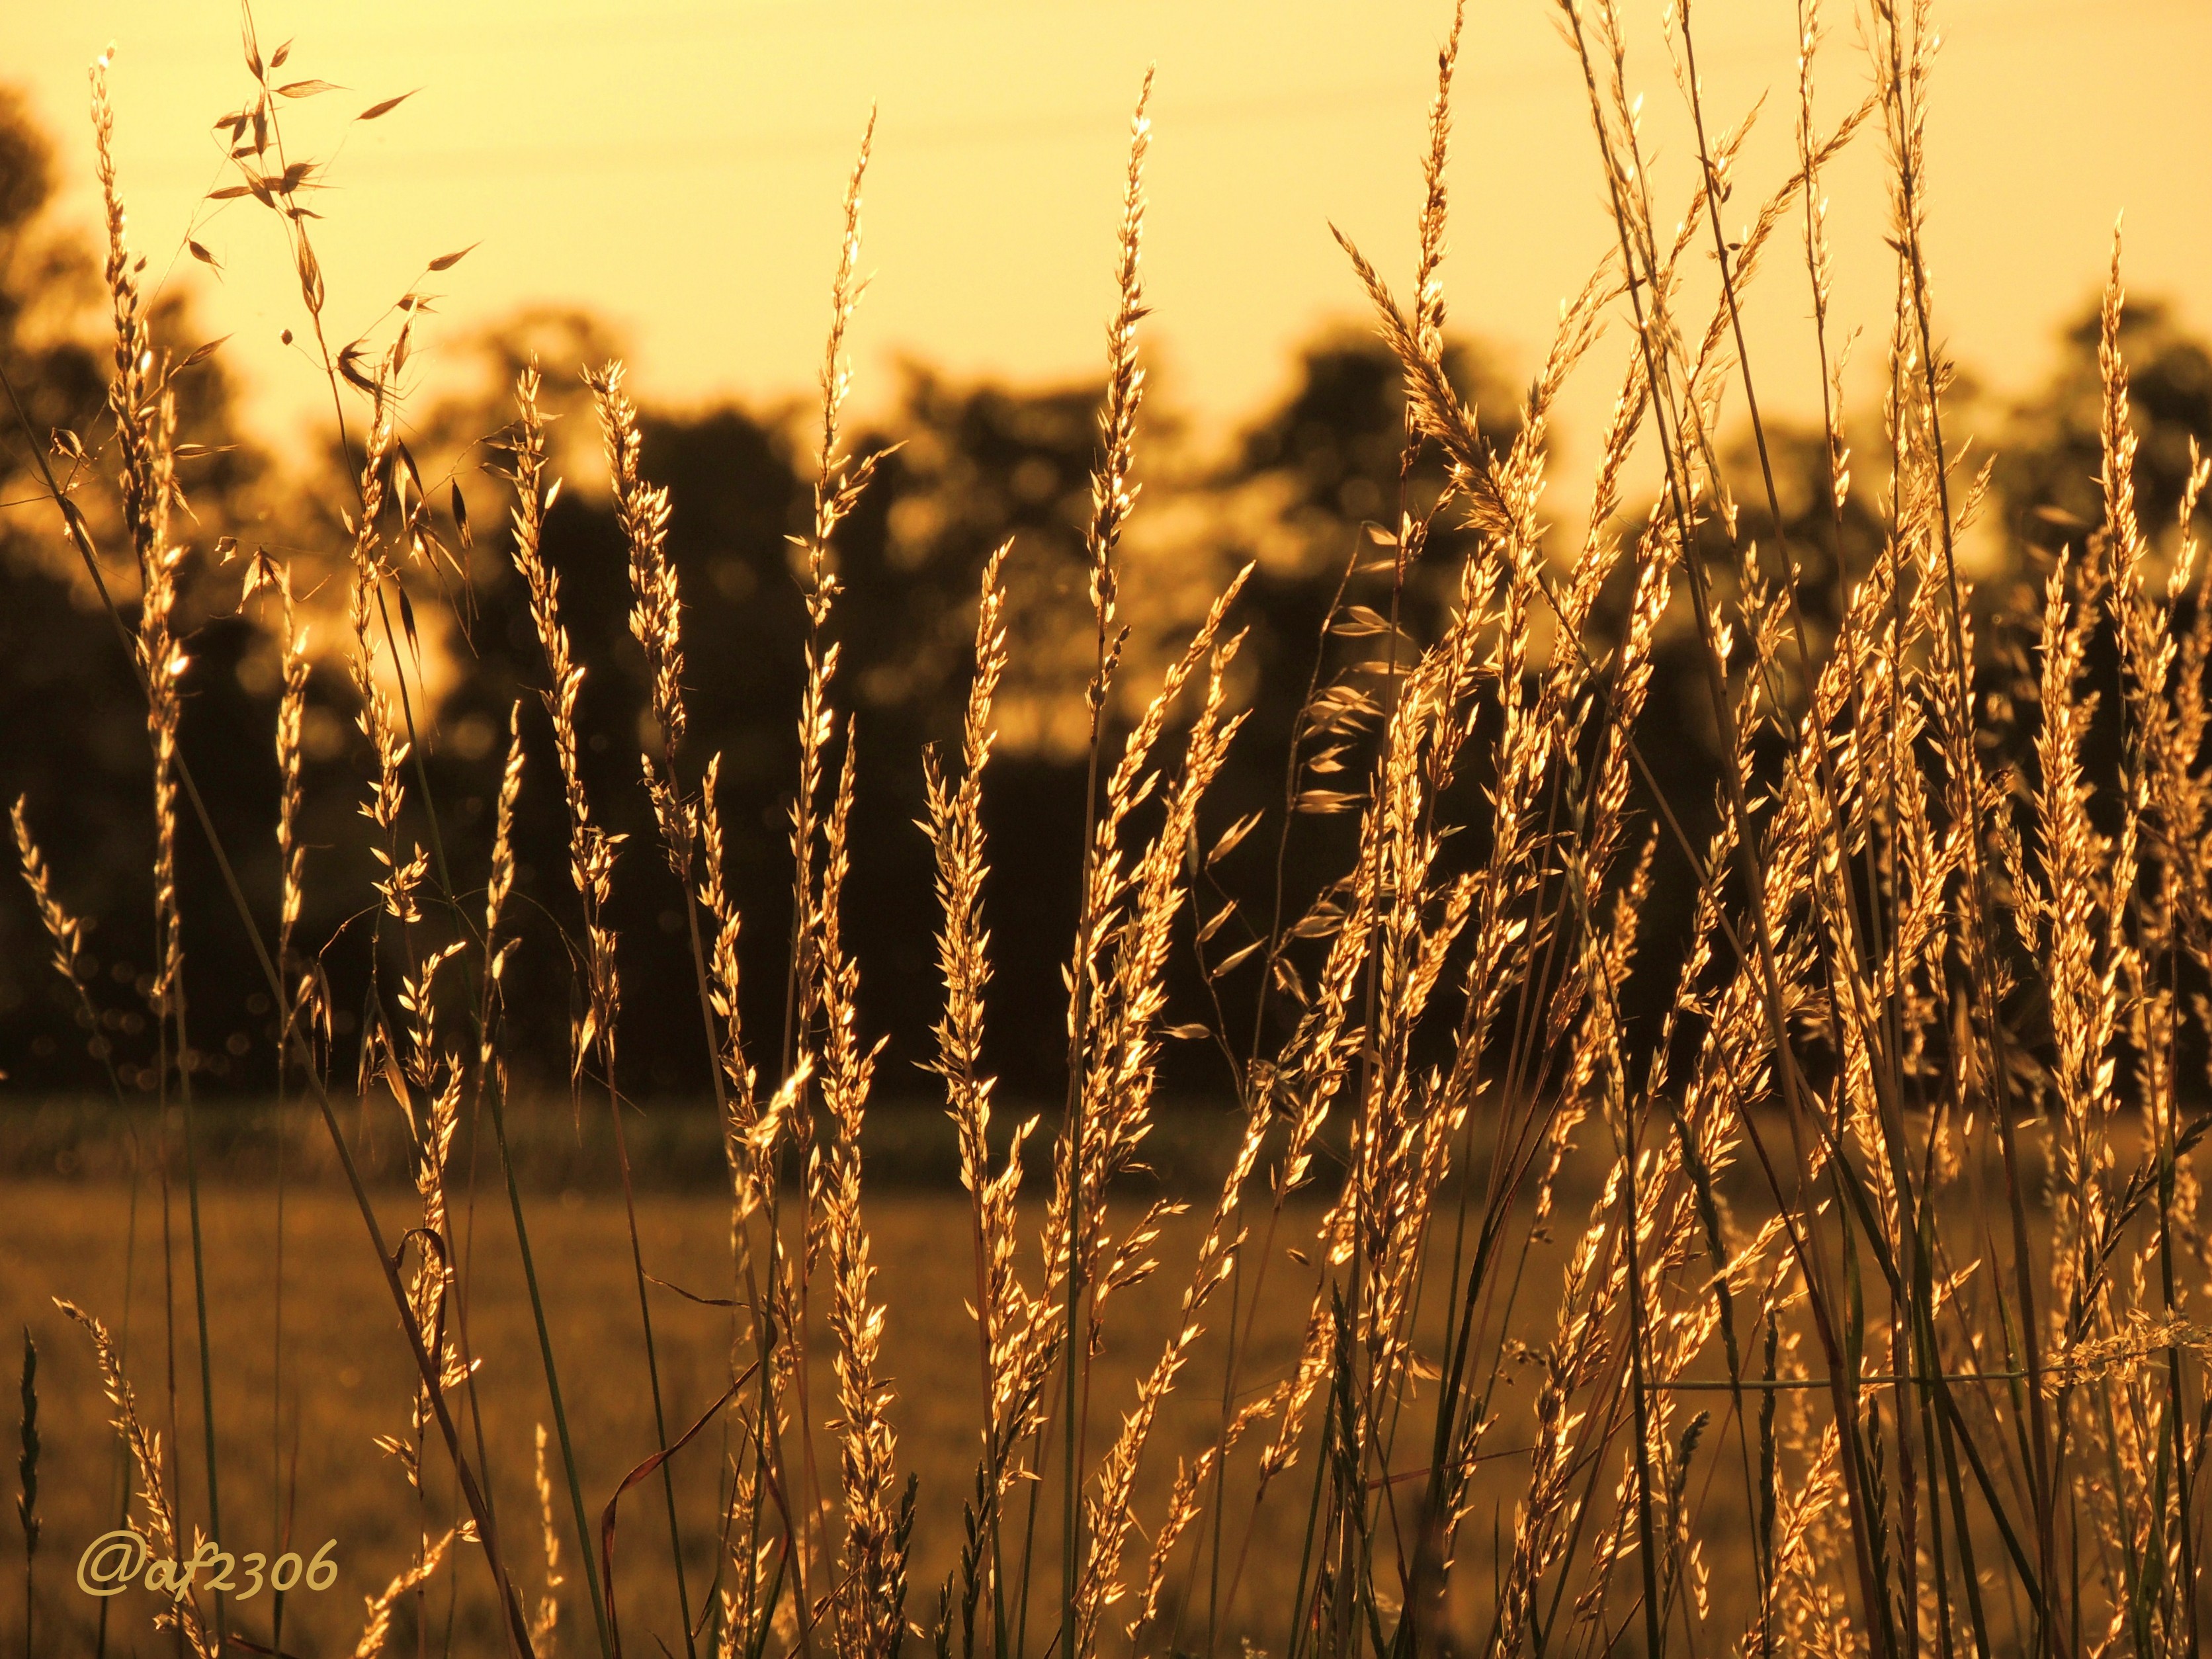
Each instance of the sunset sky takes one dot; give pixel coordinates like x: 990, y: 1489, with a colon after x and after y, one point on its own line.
x: 677, y: 166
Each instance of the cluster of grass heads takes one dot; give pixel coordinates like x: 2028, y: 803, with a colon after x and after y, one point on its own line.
x: 1871, y: 1329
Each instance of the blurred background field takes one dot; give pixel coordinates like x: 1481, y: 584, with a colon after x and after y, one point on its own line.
x: 347, y: 1380
x: 68, y: 1229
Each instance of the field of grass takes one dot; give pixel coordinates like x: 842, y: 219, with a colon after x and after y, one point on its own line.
x: 1851, y: 1300
x: 347, y: 1382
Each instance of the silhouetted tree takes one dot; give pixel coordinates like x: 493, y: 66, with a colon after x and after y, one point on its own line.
x: 76, y: 746
x: 2047, y: 470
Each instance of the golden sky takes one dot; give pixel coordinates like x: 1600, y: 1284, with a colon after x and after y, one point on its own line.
x: 676, y: 166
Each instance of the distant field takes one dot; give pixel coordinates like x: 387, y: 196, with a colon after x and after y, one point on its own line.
x: 346, y: 1381
x: 347, y: 1378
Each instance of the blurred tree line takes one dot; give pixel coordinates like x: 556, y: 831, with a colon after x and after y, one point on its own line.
x: 966, y: 466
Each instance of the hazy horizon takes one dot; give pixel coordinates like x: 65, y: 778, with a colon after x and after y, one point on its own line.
x: 676, y: 170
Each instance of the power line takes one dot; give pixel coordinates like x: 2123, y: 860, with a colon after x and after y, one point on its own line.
x: 1506, y: 84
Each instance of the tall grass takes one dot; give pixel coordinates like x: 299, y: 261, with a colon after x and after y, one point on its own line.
x: 1878, y: 1330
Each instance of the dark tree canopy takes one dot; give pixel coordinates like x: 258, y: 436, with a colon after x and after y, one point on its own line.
x: 1308, y: 491
x: 2047, y: 470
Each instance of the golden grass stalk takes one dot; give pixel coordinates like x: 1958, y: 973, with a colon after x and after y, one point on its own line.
x: 178, y: 1612
x: 1112, y: 496
x: 592, y: 849
x: 748, y: 1134
x: 147, y: 530
x: 1186, y: 1503
x: 134, y: 393
x: 1137, y: 998
x: 64, y: 929
x: 291, y: 856
x: 809, y: 995
x: 592, y: 854
x: 501, y: 886
x: 1136, y: 906
x: 378, y: 1624
x: 873, y: 1568
x: 370, y: 570
x: 144, y: 412
x: 999, y: 1307
x: 656, y: 614
x: 547, y: 1617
